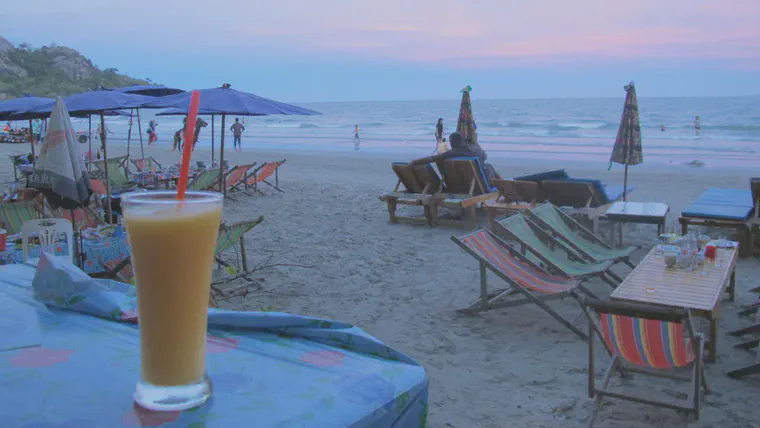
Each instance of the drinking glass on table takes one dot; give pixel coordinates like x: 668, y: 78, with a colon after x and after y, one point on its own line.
x: 172, y: 246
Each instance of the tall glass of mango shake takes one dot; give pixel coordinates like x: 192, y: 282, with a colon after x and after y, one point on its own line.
x: 172, y: 246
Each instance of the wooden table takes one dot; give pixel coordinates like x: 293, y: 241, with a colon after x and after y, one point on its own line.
x: 700, y: 290
x: 636, y: 212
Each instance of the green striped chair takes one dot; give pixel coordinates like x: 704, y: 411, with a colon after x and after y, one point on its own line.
x: 118, y: 174
x: 565, y: 229
x: 206, y: 180
x: 649, y: 340
x: 148, y: 164
x: 523, y: 277
x: 558, y: 258
x: 14, y: 214
x: 229, y: 235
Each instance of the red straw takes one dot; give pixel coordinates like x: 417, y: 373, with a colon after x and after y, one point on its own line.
x: 189, y: 142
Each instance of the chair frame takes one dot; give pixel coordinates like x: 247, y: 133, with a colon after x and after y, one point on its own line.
x: 607, y: 275
x: 244, y: 260
x: 416, y: 194
x: 691, y: 405
x: 256, y: 180
x: 464, y: 195
x: 514, y: 196
x: 577, y: 227
x: 237, y: 184
x: 498, y: 298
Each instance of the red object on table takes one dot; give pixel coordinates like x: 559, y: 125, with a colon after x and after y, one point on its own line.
x: 3, y: 239
x: 711, y: 252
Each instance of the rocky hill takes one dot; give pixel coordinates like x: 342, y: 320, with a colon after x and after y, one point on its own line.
x: 52, y: 70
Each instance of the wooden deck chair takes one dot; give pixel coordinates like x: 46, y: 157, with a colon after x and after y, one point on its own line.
x: 262, y: 173
x: 148, y: 164
x: 229, y: 236
x: 725, y: 209
x: 558, y: 258
x: 420, y: 182
x: 514, y: 195
x: 14, y: 214
x: 206, y: 180
x: 753, y: 368
x: 573, y: 194
x: 649, y: 340
x: 234, y: 179
x: 465, y: 189
x: 563, y: 227
x: 122, y: 271
x: 535, y: 285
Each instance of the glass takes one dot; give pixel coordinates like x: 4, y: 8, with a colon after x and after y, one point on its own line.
x: 172, y: 247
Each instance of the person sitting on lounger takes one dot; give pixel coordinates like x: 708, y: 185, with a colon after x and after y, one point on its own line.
x: 460, y: 149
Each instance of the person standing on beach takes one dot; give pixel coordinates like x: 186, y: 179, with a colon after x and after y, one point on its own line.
x: 237, y: 129
x: 697, y: 126
x: 357, y: 140
x: 152, y: 136
x: 101, y: 132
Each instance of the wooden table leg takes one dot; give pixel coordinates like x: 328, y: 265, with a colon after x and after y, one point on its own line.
x: 712, y: 355
x: 732, y: 286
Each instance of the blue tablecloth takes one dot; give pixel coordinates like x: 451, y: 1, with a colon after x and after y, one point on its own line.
x: 109, y: 249
x: 77, y: 368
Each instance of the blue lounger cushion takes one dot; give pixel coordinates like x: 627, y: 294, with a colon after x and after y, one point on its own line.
x: 558, y: 174
x: 607, y: 194
x: 722, y: 204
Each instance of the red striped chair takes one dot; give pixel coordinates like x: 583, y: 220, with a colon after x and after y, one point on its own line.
x: 522, y: 276
x: 235, y: 178
x: 262, y: 173
x: 650, y: 340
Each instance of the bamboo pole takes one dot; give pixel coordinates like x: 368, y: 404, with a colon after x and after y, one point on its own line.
x: 222, y: 187
x: 105, y: 167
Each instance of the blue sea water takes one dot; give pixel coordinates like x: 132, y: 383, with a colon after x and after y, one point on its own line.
x: 547, y: 128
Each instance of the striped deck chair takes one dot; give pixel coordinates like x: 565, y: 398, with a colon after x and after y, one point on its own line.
x: 559, y: 258
x: 420, y: 182
x: 14, y: 214
x: 148, y: 164
x: 566, y: 229
x: 234, y: 179
x: 262, y: 173
x: 523, y: 277
x: 650, y: 340
x: 122, y: 271
x: 229, y: 236
x: 206, y: 180
x: 84, y: 217
x: 118, y: 173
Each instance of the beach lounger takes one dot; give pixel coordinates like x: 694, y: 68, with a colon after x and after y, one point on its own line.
x: 465, y: 189
x: 262, y: 173
x: 581, y: 193
x: 558, y: 258
x: 514, y: 195
x: 235, y: 178
x: 648, y: 340
x: 14, y: 214
x: 420, y: 182
x: 229, y: 236
x: 206, y: 180
x: 535, y: 285
x: 563, y: 227
x: 558, y: 174
x: 726, y: 209
x: 148, y: 164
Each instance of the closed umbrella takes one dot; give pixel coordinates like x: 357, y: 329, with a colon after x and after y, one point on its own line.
x: 627, y: 149
x: 466, y: 124
x: 59, y: 172
x: 224, y: 101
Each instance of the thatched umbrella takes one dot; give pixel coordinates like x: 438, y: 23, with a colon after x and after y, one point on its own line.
x: 466, y: 124
x: 627, y: 149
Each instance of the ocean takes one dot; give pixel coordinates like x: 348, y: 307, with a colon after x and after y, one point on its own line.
x: 577, y: 129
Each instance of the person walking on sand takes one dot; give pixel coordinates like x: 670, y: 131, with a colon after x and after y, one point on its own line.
x: 357, y: 139
x: 237, y: 129
x: 697, y: 126
x: 441, y: 146
x: 152, y: 136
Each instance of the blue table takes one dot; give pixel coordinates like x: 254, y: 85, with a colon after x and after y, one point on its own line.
x: 73, y: 367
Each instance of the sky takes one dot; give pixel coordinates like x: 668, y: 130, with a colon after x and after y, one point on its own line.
x: 361, y: 50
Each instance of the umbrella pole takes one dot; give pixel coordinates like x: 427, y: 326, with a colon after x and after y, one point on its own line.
x: 212, y: 140
x: 129, y: 133
x: 31, y: 139
x: 105, y: 167
x: 77, y: 237
x: 625, y: 182
x: 139, y: 130
x: 222, y: 187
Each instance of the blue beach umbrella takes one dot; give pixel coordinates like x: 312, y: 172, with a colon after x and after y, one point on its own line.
x: 9, y: 110
x: 149, y: 90
x: 224, y: 101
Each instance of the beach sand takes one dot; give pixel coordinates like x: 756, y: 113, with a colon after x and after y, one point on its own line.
x: 403, y: 283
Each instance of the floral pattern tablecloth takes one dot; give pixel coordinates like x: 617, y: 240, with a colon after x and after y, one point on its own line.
x: 81, y: 363
x: 107, y: 244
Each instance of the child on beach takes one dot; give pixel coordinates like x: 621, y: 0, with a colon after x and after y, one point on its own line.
x: 152, y: 136
x: 697, y: 127
x: 357, y: 140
